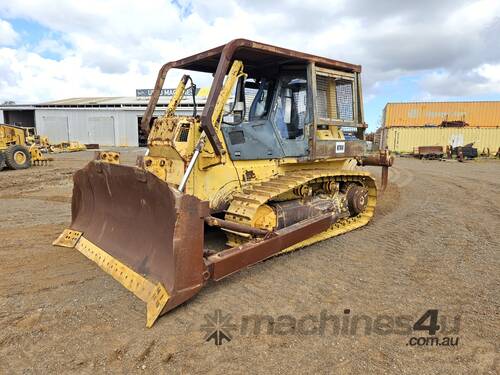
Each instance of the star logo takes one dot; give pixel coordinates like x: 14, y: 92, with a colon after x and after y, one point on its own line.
x: 218, y: 327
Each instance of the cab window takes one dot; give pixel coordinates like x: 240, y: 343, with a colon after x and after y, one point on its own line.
x: 291, y: 114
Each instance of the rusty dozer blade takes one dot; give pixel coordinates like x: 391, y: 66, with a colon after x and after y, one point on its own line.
x: 146, y: 235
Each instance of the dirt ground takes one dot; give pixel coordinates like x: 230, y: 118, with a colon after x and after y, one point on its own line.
x: 433, y: 244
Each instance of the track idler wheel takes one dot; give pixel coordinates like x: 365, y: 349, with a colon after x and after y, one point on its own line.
x: 357, y: 199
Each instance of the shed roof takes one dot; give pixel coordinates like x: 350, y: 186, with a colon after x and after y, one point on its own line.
x: 100, y: 101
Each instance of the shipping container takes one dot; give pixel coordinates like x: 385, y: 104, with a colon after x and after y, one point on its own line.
x: 408, y: 139
x: 475, y: 114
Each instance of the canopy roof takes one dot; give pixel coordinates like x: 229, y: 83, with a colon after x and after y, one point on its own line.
x: 257, y: 57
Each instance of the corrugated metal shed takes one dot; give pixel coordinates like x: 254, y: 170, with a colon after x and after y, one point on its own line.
x: 406, y: 140
x: 476, y: 114
x: 108, y: 121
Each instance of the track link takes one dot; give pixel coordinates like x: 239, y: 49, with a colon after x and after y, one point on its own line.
x: 244, y: 205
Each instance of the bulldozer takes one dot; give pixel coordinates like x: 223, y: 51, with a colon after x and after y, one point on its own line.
x: 270, y: 164
x: 16, y: 152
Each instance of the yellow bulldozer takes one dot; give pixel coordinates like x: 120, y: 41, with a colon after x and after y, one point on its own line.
x: 16, y: 152
x: 270, y: 163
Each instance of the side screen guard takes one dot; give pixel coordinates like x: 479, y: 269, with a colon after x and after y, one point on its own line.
x: 330, y: 107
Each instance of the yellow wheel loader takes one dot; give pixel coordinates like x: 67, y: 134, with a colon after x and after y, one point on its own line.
x: 269, y: 163
x: 15, y: 152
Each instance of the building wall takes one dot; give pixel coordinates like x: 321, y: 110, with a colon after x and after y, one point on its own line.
x: 1, y: 118
x: 109, y: 127
x: 105, y: 126
x: 407, y: 139
x: 477, y: 114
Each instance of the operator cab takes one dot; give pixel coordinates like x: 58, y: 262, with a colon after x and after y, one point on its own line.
x: 273, y: 116
x: 285, y: 104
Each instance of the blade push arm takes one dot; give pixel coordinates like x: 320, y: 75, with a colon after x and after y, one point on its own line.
x: 178, y: 95
x: 235, y: 72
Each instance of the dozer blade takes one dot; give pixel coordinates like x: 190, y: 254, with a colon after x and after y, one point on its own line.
x: 146, y: 235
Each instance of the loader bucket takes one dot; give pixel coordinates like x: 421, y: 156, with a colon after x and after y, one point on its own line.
x: 146, y: 235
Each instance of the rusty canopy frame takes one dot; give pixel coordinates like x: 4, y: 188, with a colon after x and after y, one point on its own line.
x: 217, y: 60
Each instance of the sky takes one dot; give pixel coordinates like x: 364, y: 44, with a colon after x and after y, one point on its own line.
x: 423, y: 50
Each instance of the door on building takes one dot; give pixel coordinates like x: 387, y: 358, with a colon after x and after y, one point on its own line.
x: 102, y: 130
x: 56, y: 128
x: 24, y: 118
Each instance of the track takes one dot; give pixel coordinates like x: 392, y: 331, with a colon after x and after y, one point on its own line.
x: 244, y: 206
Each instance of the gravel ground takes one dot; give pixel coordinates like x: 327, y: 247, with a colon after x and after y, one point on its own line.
x: 433, y: 244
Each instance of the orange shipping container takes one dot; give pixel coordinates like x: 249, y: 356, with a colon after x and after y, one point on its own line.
x: 476, y: 114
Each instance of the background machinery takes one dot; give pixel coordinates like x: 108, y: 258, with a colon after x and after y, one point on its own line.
x: 266, y: 164
x: 15, y: 150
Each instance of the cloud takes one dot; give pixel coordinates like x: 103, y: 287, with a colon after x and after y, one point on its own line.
x: 28, y: 77
x: 482, y: 80
x: 8, y: 36
x: 449, y: 47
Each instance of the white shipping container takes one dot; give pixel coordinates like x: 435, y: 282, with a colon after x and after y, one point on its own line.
x: 408, y: 139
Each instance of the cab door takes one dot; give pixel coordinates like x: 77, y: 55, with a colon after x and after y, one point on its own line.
x: 292, y: 112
